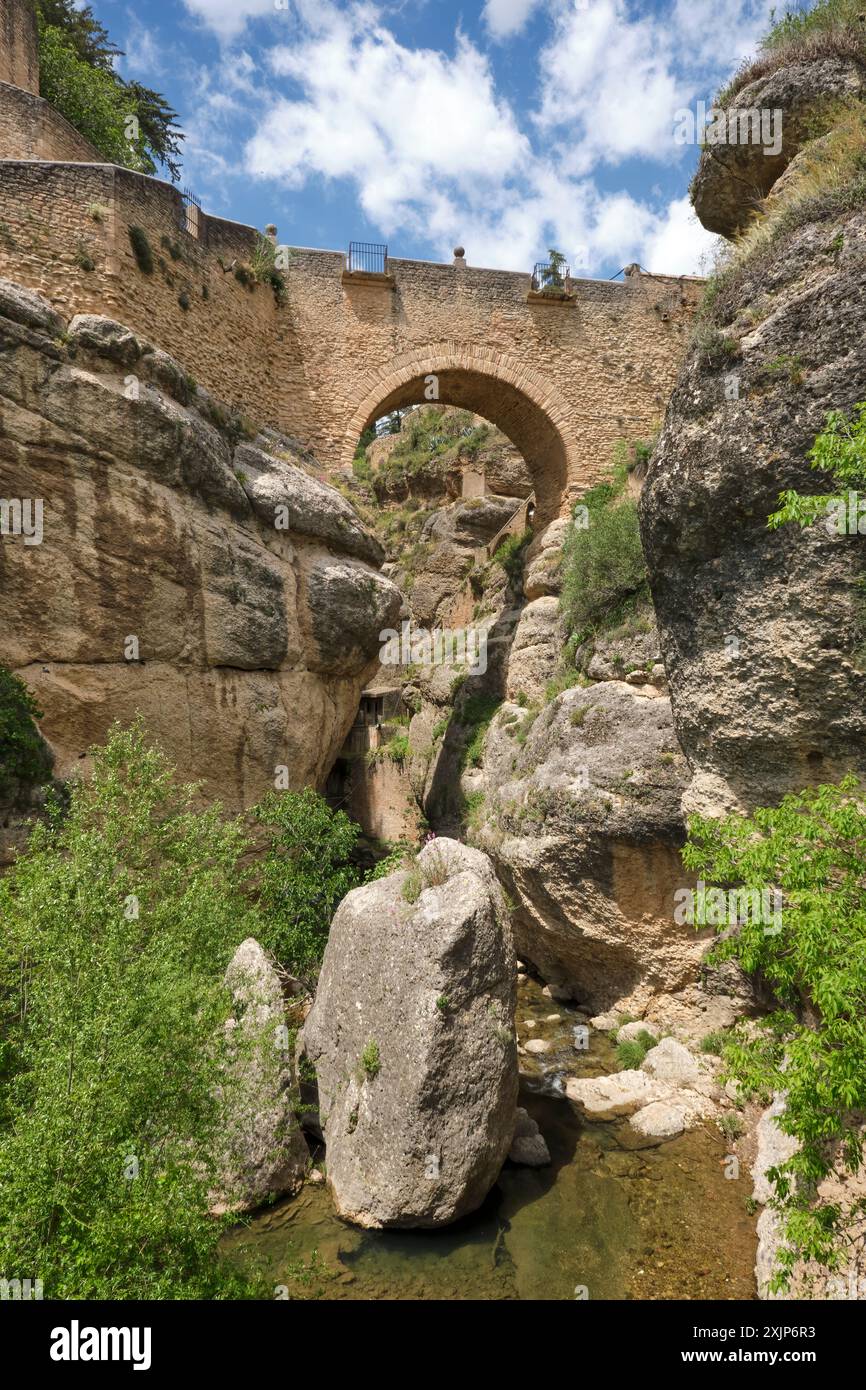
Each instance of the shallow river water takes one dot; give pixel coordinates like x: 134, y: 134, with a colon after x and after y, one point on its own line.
x: 620, y: 1221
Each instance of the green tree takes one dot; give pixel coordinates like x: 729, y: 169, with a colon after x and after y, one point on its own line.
x: 306, y: 872
x: 812, y: 1046
x: 118, y: 921
x: 839, y: 452
x: 553, y: 279
x: 24, y: 756
x: 130, y: 124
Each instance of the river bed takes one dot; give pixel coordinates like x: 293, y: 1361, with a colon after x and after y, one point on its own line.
x: 607, y: 1220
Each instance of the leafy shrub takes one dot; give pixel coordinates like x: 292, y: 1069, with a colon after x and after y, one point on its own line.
x: 24, y: 756
x: 813, y: 1045
x: 119, y: 920
x: 604, y: 573
x: 306, y: 873
x: 839, y: 452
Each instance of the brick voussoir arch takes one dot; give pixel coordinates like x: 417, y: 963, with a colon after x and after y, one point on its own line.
x: 495, y: 385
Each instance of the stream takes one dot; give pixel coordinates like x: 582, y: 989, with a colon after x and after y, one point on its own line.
x: 610, y: 1215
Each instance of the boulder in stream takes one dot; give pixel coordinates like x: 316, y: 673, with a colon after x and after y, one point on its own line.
x: 412, y: 1036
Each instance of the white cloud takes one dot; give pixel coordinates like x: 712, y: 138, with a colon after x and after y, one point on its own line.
x: 610, y: 81
x: 505, y: 18
x: 228, y: 18
x: 411, y: 127
x: 678, y: 244
x: 143, y: 52
x: 432, y: 150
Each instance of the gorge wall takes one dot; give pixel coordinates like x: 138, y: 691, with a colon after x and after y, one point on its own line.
x: 188, y: 569
x: 762, y: 630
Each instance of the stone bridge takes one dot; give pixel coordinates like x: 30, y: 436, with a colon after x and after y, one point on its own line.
x: 563, y: 378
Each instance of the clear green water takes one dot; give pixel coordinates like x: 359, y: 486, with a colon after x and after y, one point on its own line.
x: 621, y: 1220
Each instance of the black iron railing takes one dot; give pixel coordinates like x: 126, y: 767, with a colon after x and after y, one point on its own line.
x: 550, y: 279
x: 368, y: 256
x: 190, y: 212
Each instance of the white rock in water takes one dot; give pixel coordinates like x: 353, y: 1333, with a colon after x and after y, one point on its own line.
x: 670, y: 1061
x: 662, y: 1119
x: 607, y: 1097
x: 417, y: 1102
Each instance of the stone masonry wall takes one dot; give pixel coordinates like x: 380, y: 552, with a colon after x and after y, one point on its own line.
x: 564, y: 381
x: 19, y: 49
x: 55, y: 219
x: 30, y: 128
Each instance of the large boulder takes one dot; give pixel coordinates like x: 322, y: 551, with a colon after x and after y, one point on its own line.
x: 265, y: 1152
x: 282, y: 493
x: 581, y: 814
x: 412, y: 1037
x: 735, y: 175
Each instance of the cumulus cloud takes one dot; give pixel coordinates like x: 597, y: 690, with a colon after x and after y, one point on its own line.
x: 677, y: 244
x: 411, y: 127
x: 430, y: 148
x: 505, y: 18
x: 228, y: 18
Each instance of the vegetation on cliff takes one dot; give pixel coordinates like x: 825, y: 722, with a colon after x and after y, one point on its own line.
x: 24, y: 756
x: 604, y: 575
x: 812, y: 1046
x: 830, y: 29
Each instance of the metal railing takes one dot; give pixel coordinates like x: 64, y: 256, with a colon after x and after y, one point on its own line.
x: 550, y: 279
x: 369, y: 256
x: 190, y: 213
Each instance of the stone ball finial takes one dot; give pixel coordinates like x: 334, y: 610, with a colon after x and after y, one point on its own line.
x: 459, y: 252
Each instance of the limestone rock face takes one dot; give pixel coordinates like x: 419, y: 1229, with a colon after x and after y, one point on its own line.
x: 582, y: 818
x: 762, y: 629
x: 733, y: 177
x: 534, y: 650
x: 774, y: 1147
x: 453, y: 537
x: 266, y: 1154
x: 542, y: 574
x: 161, y: 585
x: 412, y: 1037
x: 313, y: 509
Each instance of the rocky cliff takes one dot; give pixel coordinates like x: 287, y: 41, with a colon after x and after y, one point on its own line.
x: 188, y: 568
x: 762, y: 629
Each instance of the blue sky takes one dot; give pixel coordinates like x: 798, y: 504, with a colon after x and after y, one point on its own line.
x: 507, y: 126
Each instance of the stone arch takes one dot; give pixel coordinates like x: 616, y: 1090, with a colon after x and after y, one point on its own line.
x: 511, y: 396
